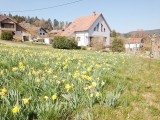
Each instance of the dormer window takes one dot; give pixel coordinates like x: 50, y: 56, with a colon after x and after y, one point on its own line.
x: 98, y: 27
x: 101, y: 28
x: 104, y: 30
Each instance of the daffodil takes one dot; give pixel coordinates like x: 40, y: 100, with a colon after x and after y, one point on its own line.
x: 38, y: 81
x: 76, y: 74
x: 68, y: 87
x: 26, y: 101
x: 94, y: 84
x: 21, y: 66
x: 65, y: 67
x: 14, y: 69
x: 46, y: 97
x: 16, y: 109
x: 97, y: 94
x: 49, y: 71
x: 97, y: 66
x: 91, y: 95
x: 90, y: 69
x: 1, y: 72
x: 4, y: 90
x: 54, y: 97
x: 84, y: 72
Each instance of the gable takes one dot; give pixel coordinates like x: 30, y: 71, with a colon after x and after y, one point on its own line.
x: 41, y: 30
x: 7, y: 19
x: 99, y: 28
x: 100, y: 25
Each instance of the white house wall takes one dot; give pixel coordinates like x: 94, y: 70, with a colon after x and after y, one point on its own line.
x: 83, y: 38
x: 106, y: 34
x: 138, y: 45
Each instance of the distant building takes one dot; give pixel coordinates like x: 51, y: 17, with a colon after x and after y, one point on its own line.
x: 86, y: 29
x: 11, y: 25
x: 134, y: 44
x: 37, y: 32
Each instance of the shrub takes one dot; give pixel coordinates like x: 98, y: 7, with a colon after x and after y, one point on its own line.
x: 62, y: 42
x: 98, y: 43
x: 17, y: 39
x: 7, y: 36
x: 147, y: 48
x: 117, y: 45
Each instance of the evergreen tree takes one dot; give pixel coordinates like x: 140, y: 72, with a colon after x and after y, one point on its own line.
x: 56, y: 24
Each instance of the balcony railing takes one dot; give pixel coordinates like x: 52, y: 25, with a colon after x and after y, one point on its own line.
x: 8, y: 29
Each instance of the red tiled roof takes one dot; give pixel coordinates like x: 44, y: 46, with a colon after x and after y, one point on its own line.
x: 135, y: 40
x: 80, y: 24
x: 7, y: 17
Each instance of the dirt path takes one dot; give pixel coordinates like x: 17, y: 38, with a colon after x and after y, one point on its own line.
x: 12, y: 43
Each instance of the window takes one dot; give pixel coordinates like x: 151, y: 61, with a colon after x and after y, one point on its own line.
x: 101, y: 28
x: 78, y: 38
x: 98, y: 27
x: 104, y: 30
x: 40, y: 33
x: 94, y: 28
x: 43, y: 33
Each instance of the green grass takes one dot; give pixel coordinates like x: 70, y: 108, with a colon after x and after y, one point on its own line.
x: 131, y: 88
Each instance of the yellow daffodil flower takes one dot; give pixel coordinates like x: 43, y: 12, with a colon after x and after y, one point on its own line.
x: 26, y: 101
x: 16, y: 109
x: 54, y: 97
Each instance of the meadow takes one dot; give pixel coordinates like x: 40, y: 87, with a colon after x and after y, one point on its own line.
x: 49, y: 84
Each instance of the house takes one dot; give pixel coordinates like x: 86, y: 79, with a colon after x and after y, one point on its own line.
x: 36, y: 32
x: 54, y: 32
x: 10, y: 25
x: 134, y: 44
x: 87, y: 29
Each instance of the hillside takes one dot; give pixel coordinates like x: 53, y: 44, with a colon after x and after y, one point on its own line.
x: 157, y: 31
x: 141, y: 33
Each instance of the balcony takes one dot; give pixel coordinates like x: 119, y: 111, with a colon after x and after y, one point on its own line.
x: 8, y: 27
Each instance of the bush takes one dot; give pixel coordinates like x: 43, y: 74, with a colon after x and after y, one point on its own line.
x: 7, y: 36
x: 98, y: 43
x: 117, y: 45
x: 17, y: 39
x: 62, y: 42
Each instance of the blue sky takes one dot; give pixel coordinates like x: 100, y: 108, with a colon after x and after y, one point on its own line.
x: 121, y: 15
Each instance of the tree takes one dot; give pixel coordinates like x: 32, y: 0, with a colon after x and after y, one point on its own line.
x: 49, y: 24
x: 117, y: 45
x: 42, y: 23
x: 56, y: 24
x: 113, y: 34
x: 61, y: 25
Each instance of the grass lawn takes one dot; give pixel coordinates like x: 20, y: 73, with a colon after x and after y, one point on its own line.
x: 48, y: 84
